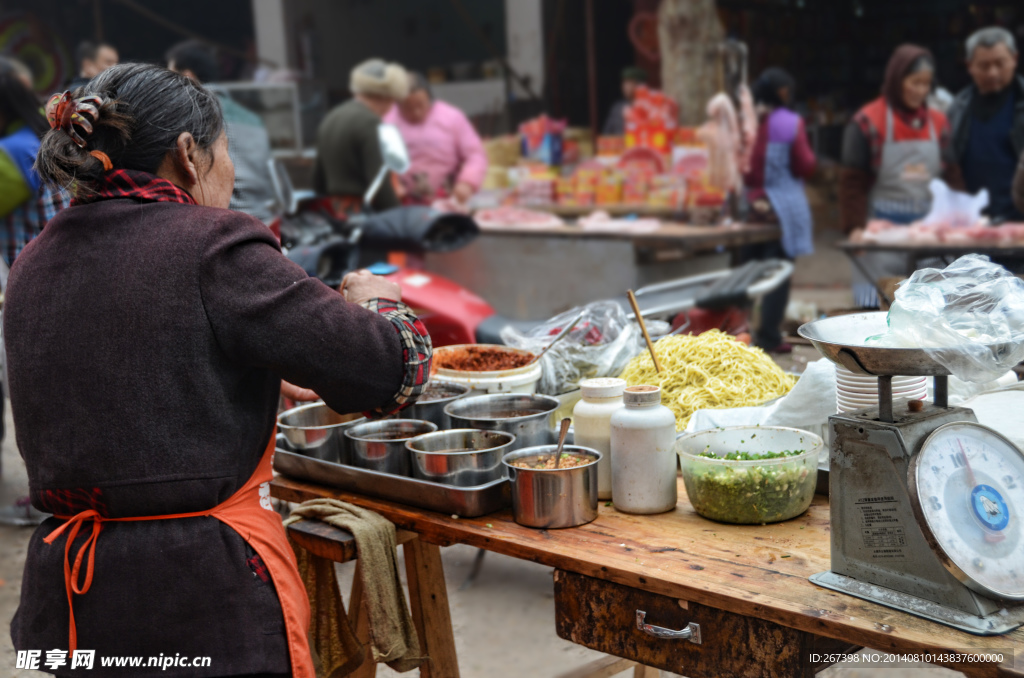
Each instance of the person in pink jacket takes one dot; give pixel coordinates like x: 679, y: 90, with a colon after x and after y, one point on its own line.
x: 447, y: 155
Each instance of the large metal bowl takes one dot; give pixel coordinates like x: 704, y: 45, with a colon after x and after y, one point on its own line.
x: 380, y: 445
x: 529, y: 417
x: 317, y: 431
x: 461, y: 457
x: 843, y: 340
x: 553, y: 498
x: 430, y: 406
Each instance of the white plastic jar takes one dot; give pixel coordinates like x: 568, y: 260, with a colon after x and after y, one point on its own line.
x: 643, y: 439
x: 592, y: 424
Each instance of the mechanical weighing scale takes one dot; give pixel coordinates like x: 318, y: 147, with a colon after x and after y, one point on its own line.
x: 926, y: 506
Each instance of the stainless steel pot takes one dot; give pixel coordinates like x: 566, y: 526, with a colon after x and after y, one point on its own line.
x: 530, y: 418
x: 380, y: 445
x: 462, y: 457
x: 430, y: 406
x: 552, y: 498
x: 317, y: 431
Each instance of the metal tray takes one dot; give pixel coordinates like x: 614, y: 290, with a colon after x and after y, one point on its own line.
x: 465, y: 502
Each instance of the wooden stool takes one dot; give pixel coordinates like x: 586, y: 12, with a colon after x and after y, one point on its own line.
x: 428, y: 594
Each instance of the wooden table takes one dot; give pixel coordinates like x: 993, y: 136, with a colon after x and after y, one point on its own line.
x: 746, y: 586
x: 916, y: 253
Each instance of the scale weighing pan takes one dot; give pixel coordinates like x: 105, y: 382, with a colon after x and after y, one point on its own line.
x: 842, y: 340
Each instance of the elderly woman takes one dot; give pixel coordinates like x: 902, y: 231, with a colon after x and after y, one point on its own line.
x: 892, y: 149
x: 148, y: 330
x: 446, y: 154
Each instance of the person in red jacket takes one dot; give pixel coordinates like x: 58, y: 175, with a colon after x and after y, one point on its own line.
x: 782, y: 158
x: 892, y: 149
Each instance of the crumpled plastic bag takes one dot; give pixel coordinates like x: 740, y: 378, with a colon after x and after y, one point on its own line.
x: 601, y: 345
x: 953, y: 208
x: 969, y: 317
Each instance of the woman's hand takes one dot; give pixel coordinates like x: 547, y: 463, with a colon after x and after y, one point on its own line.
x: 360, y: 286
x: 297, y: 393
x: 857, y: 235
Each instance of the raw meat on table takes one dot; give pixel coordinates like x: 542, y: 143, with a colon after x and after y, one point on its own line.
x: 500, y: 217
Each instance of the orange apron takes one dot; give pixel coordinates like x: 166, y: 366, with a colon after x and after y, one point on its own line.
x: 249, y: 513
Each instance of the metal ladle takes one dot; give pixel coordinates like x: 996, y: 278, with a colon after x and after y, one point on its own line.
x: 562, y: 433
x: 561, y: 335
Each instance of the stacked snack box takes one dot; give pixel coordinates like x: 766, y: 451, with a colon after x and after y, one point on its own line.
x: 542, y: 140
x: 651, y: 120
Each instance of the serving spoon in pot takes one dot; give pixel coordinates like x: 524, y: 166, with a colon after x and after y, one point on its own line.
x: 564, y: 431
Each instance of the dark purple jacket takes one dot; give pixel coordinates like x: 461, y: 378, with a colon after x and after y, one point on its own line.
x: 145, y: 344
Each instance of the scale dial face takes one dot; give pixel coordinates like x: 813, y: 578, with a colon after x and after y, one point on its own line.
x: 970, y: 491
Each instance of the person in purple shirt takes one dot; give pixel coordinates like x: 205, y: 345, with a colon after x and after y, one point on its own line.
x: 447, y: 155
x: 781, y: 159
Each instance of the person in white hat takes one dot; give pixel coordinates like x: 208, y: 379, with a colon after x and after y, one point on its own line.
x: 348, y: 153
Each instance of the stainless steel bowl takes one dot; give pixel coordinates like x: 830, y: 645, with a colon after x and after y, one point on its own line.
x: 430, y: 406
x: 380, y: 445
x: 316, y: 430
x: 530, y: 418
x: 462, y: 457
x: 552, y: 498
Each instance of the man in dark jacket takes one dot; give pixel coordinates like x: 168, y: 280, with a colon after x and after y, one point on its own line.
x: 348, y: 155
x: 988, y: 121
x: 615, y: 124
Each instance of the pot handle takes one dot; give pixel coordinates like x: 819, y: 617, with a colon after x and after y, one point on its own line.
x: 690, y: 633
x: 511, y: 472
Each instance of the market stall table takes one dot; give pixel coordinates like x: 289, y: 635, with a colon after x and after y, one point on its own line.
x: 530, y: 272
x: 746, y: 587
x: 915, y: 253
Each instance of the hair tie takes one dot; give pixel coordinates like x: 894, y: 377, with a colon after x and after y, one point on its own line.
x: 104, y: 158
x: 64, y: 113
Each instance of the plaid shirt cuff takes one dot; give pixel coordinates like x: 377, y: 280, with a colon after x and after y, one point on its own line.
x: 417, y: 352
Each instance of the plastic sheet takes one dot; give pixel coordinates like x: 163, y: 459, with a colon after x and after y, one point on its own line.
x: 601, y: 344
x: 969, y: 317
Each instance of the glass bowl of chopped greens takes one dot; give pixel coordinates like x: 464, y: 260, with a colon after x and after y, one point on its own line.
x: 750, y: 475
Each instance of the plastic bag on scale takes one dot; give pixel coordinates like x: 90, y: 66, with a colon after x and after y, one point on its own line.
x: 969, y: 317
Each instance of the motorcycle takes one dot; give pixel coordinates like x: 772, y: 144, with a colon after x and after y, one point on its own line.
x: 327, y: 247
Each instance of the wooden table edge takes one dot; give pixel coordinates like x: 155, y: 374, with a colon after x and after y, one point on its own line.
x: 747, y: 604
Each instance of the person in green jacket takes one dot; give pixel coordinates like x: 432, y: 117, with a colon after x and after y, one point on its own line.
x: 348, y: 154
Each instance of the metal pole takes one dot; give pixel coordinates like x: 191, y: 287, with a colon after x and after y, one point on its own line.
x: 885, y: 399
x: 592, y: 67
x: 941, y: 391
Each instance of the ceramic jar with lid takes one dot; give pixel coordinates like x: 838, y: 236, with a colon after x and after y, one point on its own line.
x: 592, y: 424
x: 643, y: 435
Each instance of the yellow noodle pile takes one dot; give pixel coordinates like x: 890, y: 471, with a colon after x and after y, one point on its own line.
x: 710, y: 371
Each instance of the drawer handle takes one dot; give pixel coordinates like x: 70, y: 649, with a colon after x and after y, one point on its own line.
x: 690, y: 633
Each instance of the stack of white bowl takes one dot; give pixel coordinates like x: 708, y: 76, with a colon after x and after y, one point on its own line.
x: 859, y: 391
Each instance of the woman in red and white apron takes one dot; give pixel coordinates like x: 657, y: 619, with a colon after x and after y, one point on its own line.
x: 148, y: 330
x: 892, y: 149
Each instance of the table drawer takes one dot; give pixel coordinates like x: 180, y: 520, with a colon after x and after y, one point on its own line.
x: 603, y: 616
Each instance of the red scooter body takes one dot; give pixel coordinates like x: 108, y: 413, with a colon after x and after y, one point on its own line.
x: 450, y: 312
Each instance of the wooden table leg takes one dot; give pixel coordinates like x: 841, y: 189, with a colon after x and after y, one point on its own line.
x: 429, y: 597
x: 357, y: 610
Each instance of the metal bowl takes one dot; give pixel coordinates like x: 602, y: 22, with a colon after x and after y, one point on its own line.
x: 380, y: 445
x: 430, y: 406
x: 530, y: 418
x: 316, y: 430
x: 553, y: 498
x: 461, y: 457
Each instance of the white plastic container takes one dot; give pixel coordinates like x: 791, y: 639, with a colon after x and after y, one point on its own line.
x: 518, y: 380
x: 643, y: 436
x: 592, y: 424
